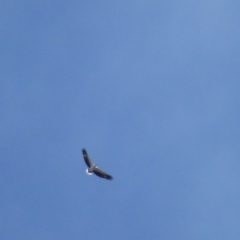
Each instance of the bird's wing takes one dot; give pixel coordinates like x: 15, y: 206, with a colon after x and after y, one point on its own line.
x: 102, y: 174
x: 87, y: 159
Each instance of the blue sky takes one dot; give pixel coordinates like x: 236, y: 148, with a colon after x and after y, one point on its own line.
x: 150, y: 89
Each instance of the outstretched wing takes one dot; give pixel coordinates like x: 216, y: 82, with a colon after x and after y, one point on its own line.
x: 87, y: 159
x: 102, y: 174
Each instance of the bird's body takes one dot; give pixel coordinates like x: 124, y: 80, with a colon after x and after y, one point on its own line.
x: 93, y: 168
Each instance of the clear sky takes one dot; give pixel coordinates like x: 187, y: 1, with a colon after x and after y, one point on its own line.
x: 150, y: 89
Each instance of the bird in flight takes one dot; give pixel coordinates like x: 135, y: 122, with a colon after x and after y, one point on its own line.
x: 93, y: 168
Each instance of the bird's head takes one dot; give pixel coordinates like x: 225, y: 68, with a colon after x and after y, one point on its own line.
x: 88, y: 173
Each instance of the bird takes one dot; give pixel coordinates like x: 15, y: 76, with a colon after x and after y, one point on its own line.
x: 93, y: 168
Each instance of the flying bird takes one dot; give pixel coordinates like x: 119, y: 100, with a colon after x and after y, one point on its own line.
x: 93, y: 168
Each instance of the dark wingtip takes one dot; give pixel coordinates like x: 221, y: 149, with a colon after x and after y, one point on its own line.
x: 84, y: 151
x: 109, y: 178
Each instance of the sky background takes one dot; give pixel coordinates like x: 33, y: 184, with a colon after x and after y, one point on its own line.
x: 150, y: 89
